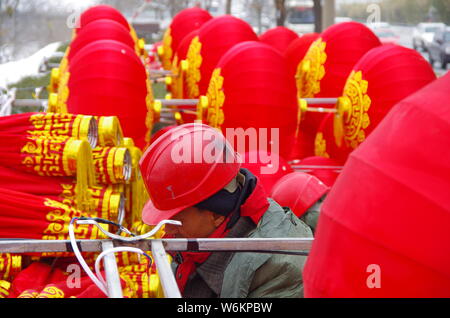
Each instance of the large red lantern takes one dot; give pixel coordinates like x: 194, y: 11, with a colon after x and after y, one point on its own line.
x: 215, y: 38
x: 279, y: 37
x: 268, y: 167
x: 183, y: 23
x: 384, y: 76
x: 325, y: 144
x: 106, y: 78
x: 325, y: 68
x: 250, y: 89
x: 383, y: 229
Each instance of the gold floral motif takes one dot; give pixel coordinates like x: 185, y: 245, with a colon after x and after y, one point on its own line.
x: 29, y: 293
x: 320, y: 146
x: 216, y: 98
x: 167, y: 49
x: 51, y: 292
x: 311, y: 70
x: 193, y: 75
x: 357, y: 119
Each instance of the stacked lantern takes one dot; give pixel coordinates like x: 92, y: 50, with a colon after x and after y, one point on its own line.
x: 279, y: 38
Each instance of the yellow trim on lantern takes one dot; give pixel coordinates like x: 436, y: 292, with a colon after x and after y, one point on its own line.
x: 216, y: 98
x: 311, y: 70
x: 353, y: 109
x: 193, y: 74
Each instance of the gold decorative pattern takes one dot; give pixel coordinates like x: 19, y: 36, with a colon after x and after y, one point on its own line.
x: 357, y: 119
x: 167, y: 49
x: 51, y: 291
x: 193, y: 75
x: 4, y: 288
x: 320, y: 146
x: 29, y: 293
x: 311, y: 70
x: 216, y: 98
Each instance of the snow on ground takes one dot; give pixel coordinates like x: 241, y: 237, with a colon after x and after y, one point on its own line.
x: 12, y: 72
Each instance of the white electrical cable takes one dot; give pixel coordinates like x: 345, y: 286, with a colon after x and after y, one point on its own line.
x: 81, y: 260
x: 114, y: 250
x: 134, y: 238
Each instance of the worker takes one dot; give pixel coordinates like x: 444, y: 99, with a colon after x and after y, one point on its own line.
x: 193, y: 175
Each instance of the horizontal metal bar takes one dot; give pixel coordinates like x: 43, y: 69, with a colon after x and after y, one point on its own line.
x: 179, y: 102
x: 29, y: 103
x: 193, y: 245
x: 317, y: 101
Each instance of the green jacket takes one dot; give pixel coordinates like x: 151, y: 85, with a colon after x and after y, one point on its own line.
x: 254, y: 275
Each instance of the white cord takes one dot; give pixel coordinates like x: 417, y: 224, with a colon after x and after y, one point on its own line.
x: 82, y: 262
x: 113, y: 250
x: 134, y: 238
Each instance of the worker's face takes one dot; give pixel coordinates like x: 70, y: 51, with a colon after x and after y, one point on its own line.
x: 196, y: 223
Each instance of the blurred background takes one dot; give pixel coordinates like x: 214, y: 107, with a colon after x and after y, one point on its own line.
x: 31, y: 31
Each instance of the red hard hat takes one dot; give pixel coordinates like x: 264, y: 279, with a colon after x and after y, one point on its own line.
x: 312, y: 166
x: 183, y: 167
x: 298, y: 191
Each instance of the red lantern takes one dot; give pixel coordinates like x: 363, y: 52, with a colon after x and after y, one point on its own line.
x: 383, y: 77
x: 101, y: 12
x: 294, y: 55
x: 383, y: 229
x: 215, y: 38
x: 279, y: 38
x: 183, y: 23
x: 102, y: 29
x: 268, y: 167
x: 325, y: 68
x: 250, y: 89
x: 325, y: 144
x: 297, y: 49
x: 106, y: 78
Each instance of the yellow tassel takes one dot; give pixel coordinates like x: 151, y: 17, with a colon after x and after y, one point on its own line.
x: 77, y: 159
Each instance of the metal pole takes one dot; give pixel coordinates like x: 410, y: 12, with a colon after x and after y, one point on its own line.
x: 318, y: 101
x: 165, y: 273
x: 179, y: 245
x: 112, y: 272
x: 178, y: 102
x: 29, y: 103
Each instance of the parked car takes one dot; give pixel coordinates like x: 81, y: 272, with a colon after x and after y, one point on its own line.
x: 423, y: 34
x: 386, y: 36
x: 439, y: 48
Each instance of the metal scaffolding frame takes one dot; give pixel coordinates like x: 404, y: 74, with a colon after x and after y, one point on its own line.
x: 159, y: 247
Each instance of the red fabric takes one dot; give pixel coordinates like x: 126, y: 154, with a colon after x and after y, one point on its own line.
x: 108, y: 79
x: 217, y: 36
x: 32, y: 184
x: 279, y: 38
x: 390, y: 207
x: 259, y: 95
x: 186, y: 21
x: 256, y: 204
x: 192, y: 259
x: 255, y: 161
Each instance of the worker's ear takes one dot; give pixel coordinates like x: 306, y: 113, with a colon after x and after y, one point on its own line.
x: 218, y: 219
